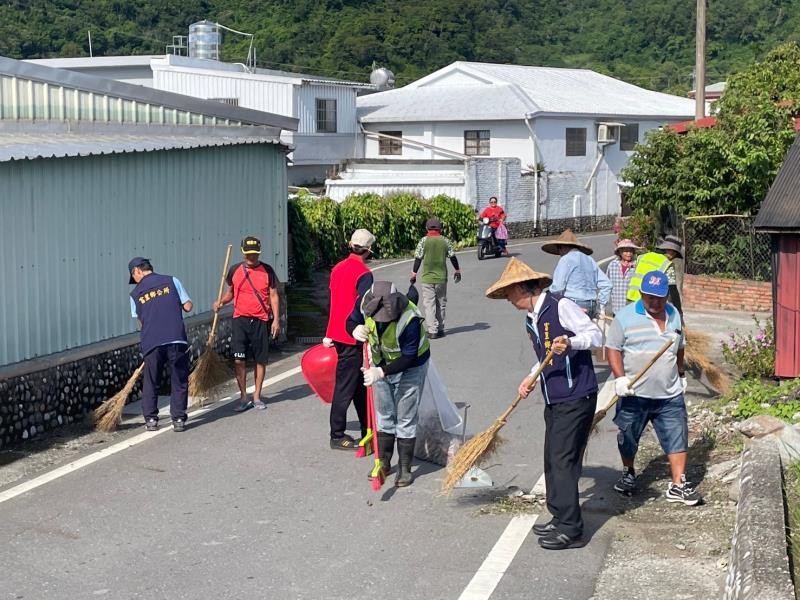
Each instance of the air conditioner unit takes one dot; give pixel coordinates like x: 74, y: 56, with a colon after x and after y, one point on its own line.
x: 606, y: 134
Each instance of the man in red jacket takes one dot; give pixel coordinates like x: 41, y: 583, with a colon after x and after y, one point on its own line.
x: 350, y: 280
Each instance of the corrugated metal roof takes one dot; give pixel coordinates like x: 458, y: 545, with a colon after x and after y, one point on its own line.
x: 138, y: 93
x: 780, y: 210
x: 468, y: 90
x: 31, y: 142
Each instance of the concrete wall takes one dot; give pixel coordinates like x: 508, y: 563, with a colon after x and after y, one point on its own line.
x: 759, y: 566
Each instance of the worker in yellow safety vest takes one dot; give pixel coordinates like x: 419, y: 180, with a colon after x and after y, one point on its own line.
x: 658, y: 261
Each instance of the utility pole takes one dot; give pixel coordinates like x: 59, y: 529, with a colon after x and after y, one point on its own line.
x: 89, y: 31
x: 700, y: 62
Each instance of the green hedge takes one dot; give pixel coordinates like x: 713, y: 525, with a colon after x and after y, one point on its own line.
x: 320, y: 227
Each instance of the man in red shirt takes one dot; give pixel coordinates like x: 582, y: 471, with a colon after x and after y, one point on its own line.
x: 253, y: 288
x: 350, y: 280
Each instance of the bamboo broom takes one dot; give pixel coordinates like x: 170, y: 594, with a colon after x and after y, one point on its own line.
x: 108, y: 415
x: 698, y: 348
x: 601, y: 414
x: 485, y: 443
x: 210, y: 369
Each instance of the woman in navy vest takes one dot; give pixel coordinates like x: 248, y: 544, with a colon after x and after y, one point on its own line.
x: 158, y: 301
x: 569, y: 388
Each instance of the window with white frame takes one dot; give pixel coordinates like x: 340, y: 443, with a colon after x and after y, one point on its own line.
x: 388, y: 146
x: 326, y: 115
x: 476, y: 142
x: 628, y: 136
x: 576, y: 141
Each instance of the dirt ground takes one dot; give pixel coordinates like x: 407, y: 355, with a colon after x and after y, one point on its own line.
x: 666, y: 549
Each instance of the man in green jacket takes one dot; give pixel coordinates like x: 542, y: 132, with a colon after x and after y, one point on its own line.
x: 431, y: 255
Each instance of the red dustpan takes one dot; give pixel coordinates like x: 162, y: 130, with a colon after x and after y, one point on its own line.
x: 319, y: 370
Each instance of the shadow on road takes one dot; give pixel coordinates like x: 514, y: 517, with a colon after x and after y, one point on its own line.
x: 481, y: 326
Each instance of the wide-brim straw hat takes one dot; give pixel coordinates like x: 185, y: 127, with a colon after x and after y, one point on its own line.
x: 567, y: 238
x: 626, y: 243
x: 515, y: 272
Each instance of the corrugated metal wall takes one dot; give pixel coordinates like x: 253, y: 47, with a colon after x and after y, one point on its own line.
x: 346, y: 121
x: 268, y: 96
x: 27, y: 99
x: 70, y: 225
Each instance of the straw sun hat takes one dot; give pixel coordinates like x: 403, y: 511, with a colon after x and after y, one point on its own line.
x: 515, y: 272
x: 567, y: 238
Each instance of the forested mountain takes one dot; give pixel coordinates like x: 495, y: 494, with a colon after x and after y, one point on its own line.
x: 647, y: 42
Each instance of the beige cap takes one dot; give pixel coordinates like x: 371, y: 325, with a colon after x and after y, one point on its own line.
x: 362, y: 238
x: 515, y: 272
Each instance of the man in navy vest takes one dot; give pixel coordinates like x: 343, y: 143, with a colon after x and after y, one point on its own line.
x: 158, y: 301
x: 569, y: 388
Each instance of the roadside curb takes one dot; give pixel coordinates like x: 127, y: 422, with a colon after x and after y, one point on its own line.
x: 759, y: 564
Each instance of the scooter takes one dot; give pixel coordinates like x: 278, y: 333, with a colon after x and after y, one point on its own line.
x: 487, y: 242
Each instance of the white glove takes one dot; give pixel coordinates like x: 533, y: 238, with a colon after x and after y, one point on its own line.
x: 372, y: 375
x: 684, y: 384
x: 622, y: 387
x: 327, y: 342
x: 361, y: 333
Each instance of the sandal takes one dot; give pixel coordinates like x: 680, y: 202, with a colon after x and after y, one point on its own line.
x: 259, y: 404
x: 243, y: 406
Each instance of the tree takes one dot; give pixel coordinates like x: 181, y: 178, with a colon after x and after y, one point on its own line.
x: 729, y: 167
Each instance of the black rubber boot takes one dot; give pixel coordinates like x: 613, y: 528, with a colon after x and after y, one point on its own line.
x: 405, y: 456
x: 385, y: 451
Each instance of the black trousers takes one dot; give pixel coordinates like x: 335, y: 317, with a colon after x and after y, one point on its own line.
x: 175, y: 355
x: 349, y: 387
x: 567, y: 427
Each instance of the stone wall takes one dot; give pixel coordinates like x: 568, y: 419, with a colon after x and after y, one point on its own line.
x: 726, y: 294
x: 45, y: 393
x: 526, y: 229
x: 759, y: 566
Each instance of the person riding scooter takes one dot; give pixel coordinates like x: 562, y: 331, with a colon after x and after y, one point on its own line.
x: 497, y: 219
x: 488, y: 244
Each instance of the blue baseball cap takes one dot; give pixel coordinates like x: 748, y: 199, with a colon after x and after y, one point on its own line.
x: 655, y: 283
x: 136, y: 261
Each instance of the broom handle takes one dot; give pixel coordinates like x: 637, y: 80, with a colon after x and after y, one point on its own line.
x: 213, y: 333
x: 641, y: 373
x: 535, y: 377
x: 652, y: 361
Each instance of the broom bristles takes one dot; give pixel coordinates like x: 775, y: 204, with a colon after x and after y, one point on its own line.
x: 470, y: 454
x: 109, y: 414
x: 210, y: 371
x: 698, y: 346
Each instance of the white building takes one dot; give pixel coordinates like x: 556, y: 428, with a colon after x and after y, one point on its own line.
x: 578, y: 126
x: 326, y: 108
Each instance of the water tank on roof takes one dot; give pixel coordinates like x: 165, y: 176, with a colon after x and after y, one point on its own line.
x: 205, y: 38
x: 382, y: 79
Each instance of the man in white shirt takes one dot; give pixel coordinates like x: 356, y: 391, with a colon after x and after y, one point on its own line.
x: 569, y: 387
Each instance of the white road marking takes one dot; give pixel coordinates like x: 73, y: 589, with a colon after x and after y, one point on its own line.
x: 499, y: 559
x: 496, y: 563
x: 120, y: 446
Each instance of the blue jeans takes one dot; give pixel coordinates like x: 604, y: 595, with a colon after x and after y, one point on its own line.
x: 669, y: 419
x: 397, y: 401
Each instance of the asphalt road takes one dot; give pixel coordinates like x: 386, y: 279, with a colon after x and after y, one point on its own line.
x: 257, y: 506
